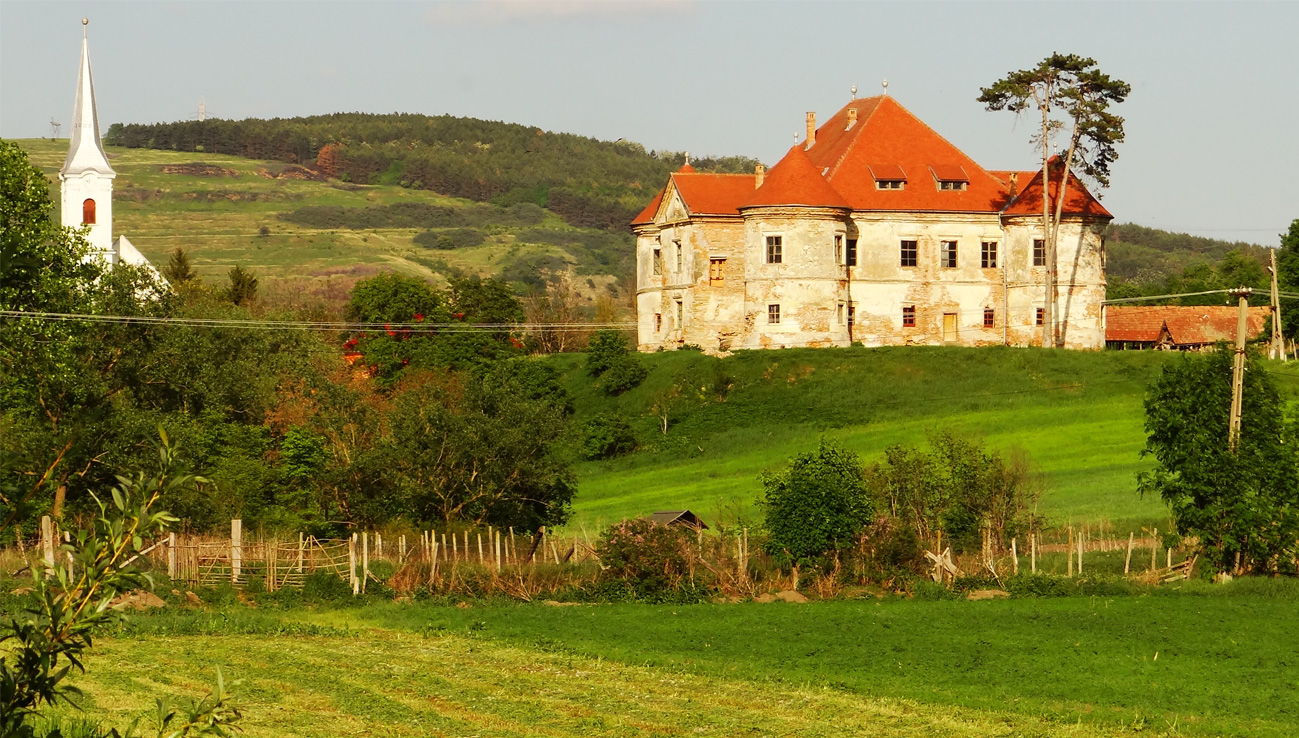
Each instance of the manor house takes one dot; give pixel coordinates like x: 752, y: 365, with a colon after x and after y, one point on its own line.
x: 874, y: 230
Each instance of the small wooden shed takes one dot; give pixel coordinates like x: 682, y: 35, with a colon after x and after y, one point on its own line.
x: 679, y: 517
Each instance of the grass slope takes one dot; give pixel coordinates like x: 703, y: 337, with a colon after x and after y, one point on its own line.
x: 1077, y: 415
x: 217, y: 218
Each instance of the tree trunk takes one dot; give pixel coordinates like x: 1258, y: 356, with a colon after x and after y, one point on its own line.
x: 1048, y: 238
x: 1060, y: 194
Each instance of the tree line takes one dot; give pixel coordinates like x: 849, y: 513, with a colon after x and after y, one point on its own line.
x: 588, y: 182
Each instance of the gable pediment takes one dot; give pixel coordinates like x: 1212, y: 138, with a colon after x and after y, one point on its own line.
x: 672, y: 209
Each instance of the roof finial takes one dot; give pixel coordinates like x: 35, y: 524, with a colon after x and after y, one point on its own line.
x: 885, y: 84
x: 854, y: 92
x: 795, y: 138
x: 84, y: 22
x: 687, y: 158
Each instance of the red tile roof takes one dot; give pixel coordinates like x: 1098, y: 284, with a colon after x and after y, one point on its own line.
x: 1078, y: 201
x: 713, y: 194
x: 1191, y: 325
x: 796, y: 180
x: 647, y: 215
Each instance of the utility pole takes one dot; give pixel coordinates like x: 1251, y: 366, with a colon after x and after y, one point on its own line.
x: 1277, y: 350
x: 1238, y: 371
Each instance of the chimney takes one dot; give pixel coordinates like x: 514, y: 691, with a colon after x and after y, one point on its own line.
x: 1014, y: 184
x: 811, y: 129
x: 852, y: 118
x: 759, y: 173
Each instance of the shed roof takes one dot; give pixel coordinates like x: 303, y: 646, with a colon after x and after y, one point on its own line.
x: 1186, y: 325
x: 678, y: 517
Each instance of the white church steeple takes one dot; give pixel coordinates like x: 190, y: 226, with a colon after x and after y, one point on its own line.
x: 86, y: 177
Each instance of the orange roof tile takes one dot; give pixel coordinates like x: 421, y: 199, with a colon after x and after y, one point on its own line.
x: 796, y: 180
x: 713, y: 194
x: 1078, y: 201
x: 686, y: 169
x: 647, y: 215
x: 1190, y: 325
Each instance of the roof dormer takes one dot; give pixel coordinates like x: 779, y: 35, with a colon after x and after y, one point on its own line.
x: 888, y: 176
x: 949, y: 176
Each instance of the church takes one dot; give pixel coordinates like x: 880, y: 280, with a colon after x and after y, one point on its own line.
x: 874, y: 230
x: 86, y: 179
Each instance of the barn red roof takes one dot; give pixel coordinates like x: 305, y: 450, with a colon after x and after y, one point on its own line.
x: 1190, y: 325
x: 1078, y: 201
x: 795, y: 180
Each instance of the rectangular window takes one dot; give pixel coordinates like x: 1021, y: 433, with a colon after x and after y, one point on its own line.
x: 838, y: 249
x: 658, y: 261
x: 773, y: 314
x: 775, y: 248
x: 988, y: 256
x: 889, y: 184
x: 910, y: 253
x: 678, y: 245
x: 1041, y: 316
x: 1039, y: 252
x: 909, y: 316
x: 838, y: 314
x: 852, y: 314
x: 715, y: 271
x: 950, y: 185
x: 658, y: 322
x: 949, y: 254
x: 989, y: 318
x: 851, y: 254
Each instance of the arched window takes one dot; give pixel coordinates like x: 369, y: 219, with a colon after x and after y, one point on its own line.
x: 88, y: 211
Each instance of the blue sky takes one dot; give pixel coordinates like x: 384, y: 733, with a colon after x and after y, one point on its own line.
x: 1212, y: 122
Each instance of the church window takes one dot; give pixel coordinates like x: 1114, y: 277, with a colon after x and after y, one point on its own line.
x: 773, y: 314
x: 989, y: 318
x: 658, y: 261
x: 988, y: 257
x: 908, y: 316
x: 851, y: 255
x: 1039, y: 252
x: 910, y: 253
x: 88, y: 211
x: 949, y: 254
x: 775, y: 249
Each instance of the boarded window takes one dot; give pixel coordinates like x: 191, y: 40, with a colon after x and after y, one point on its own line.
x: 775, y: 249
x: 681, y: 315
x: 1041, y: 316
x: 851, y: 255
x: 988, y: 255
x: 949, y: 254
x: 1039, y: 252
x: 658, y: 261
x: 909, y: 316
x: 910, y: 253
x: 773, y: 314
x: 989, y: 318
x: 88, y: 211
x: 715, y: 275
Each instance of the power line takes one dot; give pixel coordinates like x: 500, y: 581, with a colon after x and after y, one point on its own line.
x: 1163, y: 297
x: 419, y: 327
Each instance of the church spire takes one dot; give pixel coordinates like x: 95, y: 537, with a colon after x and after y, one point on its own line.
x: 85, y: 152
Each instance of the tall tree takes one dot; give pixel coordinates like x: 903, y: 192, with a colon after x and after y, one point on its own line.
x: 178, y: 268
x: 1072, y: 95
x: 1287, y: 275
x: 243, y: 285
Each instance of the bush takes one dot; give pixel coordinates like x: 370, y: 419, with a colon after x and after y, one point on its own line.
x: 816, y: 506
x: 451, y: 238
x: 626, y: 372
x: 604, y: 350
x: 606, y: 436
x: 325, y: 586
x: 648, y: 556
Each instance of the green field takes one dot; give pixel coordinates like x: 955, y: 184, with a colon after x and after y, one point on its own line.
x: 1194, y: 659
x: 217, y: 216
x: 1077, y: 415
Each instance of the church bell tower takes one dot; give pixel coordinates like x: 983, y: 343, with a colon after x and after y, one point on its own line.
x: 86, y: 177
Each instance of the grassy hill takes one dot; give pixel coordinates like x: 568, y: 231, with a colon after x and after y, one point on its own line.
x: 1077, y: 415
x: 215, y: 206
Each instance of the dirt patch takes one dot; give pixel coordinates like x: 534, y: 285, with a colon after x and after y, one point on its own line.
x: 554, y: 603
x: 787, y: 595
x: 137, y: 600
x: 988, y: 594
x: 199, y: 170
x: 293, y: 171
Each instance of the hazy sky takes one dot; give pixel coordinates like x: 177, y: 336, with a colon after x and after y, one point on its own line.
x: 1212, y: 122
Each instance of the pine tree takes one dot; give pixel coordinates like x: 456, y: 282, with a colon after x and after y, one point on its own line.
x: 178, y: 268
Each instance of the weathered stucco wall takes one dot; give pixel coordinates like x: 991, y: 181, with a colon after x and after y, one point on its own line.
x: 816, y: 291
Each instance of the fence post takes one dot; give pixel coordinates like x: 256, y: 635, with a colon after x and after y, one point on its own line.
x: 300, y: 542
x: 1080, y: 554
x: 1127, y: 560
x: 171, y: 555
x: 479, y: 536
x: 1154, y: 549
x: 67, y: 538
x: 1032, y: 546
x: 401, y: 547
x: 365, y: 559
x: 498, y: 550
x: 1014, y: 554
x: 236, y: 549
x: 47, y: 541
x: 1069, y: 549
x: 351, y: 565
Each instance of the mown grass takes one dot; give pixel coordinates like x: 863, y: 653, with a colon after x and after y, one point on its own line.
x: 1194, y: 659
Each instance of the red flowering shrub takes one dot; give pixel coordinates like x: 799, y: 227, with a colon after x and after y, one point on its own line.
x: 644, y: 553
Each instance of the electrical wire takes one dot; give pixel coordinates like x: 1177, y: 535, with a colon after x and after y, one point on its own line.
x: 311, y: 325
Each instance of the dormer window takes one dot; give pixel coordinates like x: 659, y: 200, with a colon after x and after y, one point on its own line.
x: 950, y: 177
x: 888, y: 176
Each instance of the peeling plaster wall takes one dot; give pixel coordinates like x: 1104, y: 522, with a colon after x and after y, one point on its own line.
x: 814, y: 290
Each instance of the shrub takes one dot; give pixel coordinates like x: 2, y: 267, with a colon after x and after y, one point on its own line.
x: 814, y: 507
x: 604, y: 350
x: 325, y: 586
x: 626, y: 372
x: 450, y: 238
x: 606, y: 436
x: 648, y: 556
